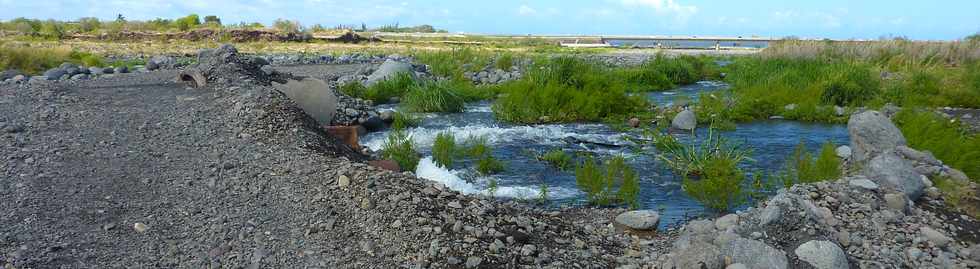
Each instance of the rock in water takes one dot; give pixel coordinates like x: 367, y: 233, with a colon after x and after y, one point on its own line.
x: 313, y: 96
x: 388, y: 70
x: 639, y: 219
x: 871, y: 134
x: 892, y: 172
x: 685, y: 120
x: 822, y: 255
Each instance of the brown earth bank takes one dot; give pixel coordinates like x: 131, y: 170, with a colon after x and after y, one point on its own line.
x: 223, y: 35
x: 137, y: 170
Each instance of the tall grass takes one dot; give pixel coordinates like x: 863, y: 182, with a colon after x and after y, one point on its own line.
x: 400, y: 148
x: 433, y: 96
x: 558, y: 159
x: 803, y: 167
x: 664, y: 73
x: 37, y: 60
x: 946, y: 139
x: 382, y: 91
x: 566, y: 89
x: 693, y: 159
x: 453, y: 63
x: 444, y: 149
x: 613, y: 182
x: 719, y: 186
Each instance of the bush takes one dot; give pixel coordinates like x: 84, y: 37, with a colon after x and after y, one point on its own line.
x: 566, y: 89
x: 400, y: 148
x: 852, y: 85
x: 557, y: 158
x: 353, y: 89
x: 477, y: 147
x: 719, y: 187
x: 609, y: 184
x: 444, y: 149
x: 433, y: 97
x: 504, y: 61
x: 925, y: 130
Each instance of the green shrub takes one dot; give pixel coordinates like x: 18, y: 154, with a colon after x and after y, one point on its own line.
x: 609, y: 184
x: 566, y: 89
x: 353, y: 89
x: 492, y: 187
x: 433, y: 97
x: 719, y: 187
x: 925, y: 130
x: 543, y: 193
x: 444, y: 149
x: 477, y: 147
x: 557, y: 158
x: 400, y: 148
x: 851, y: 85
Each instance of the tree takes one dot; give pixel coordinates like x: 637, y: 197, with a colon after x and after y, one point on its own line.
x: 212, y: 20
x: 188, y: 22
x: 89, y: 24
x: 120, y: 18
x: 287, y: 26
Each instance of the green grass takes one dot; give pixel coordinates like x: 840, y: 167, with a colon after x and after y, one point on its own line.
x: 453, y: 63
x: 611, y: 183
x: 719, y: 187
x: 477, y: 147
x: 400, y: 148
x: 402, y: 121
x: 444, y: 149
x: 693, y: 159
x: 35, y: 61
x: 947, y: 140
x: 803, y: 167
x: 558, y: 159
x: 566, y: 89
x: 665, y: 73
x: 959, y: 195
x: 433, y: 96
x: 382, y: 91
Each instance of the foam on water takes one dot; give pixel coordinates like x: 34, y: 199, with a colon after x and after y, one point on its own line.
x: 543, y: 134
x: 428, y: 169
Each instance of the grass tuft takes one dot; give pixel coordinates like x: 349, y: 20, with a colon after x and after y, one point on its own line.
x: 609, y: 184
x: 400, y: 148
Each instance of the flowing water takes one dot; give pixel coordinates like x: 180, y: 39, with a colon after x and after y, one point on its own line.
x: 517, y: 145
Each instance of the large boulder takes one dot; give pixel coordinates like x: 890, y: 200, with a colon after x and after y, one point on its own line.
x: 55, y: 74
x: 754, y: 253
x: 9, y: 74
x: 161, y: 62
x: 871, y: 134
x: 389, y: 69
x: 891, y: 171
x: 685, y: 121
x: 313, y: 96
x: 639, y: 219
x: 822, y: 255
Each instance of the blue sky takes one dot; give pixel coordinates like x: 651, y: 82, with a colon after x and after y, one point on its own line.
x: 825, y: 18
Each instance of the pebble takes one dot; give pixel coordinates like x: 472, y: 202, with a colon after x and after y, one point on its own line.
x: 455, y: 204
x: 140, y: 227
x: 343, y: 181
x: 473, y: 262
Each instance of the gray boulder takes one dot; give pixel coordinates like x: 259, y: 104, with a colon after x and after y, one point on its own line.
x: 122, y: 70
x: 54, y: 74
x: 95, y: 70
x: 918, y: 156
x: 639, y: 219
x: 754, y: 254
x: 387, y: 116
x: 936, y: 237
x: 161, y: 62
x: 9, y: 74
x: 108, y: 70
x: 891, y: 171
x: 871, y: 134
x: 685, y: 120
x: 313, y: 96
x: 822, y: 255
x: 389, y: 69
x: 67, y: 65
x: 373, y: 123
x: 698, y: 255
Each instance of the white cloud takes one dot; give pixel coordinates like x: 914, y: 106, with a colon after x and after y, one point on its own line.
x: 525, y: 10
x: 681, y: 12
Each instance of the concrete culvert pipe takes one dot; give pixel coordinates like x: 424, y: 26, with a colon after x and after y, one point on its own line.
x: 194, y: 78
x: 313, y: 96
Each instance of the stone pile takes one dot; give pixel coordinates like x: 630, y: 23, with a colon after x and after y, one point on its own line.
x: 886, y: 216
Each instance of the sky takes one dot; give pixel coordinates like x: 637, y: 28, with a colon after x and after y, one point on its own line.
x: 840, y: 19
